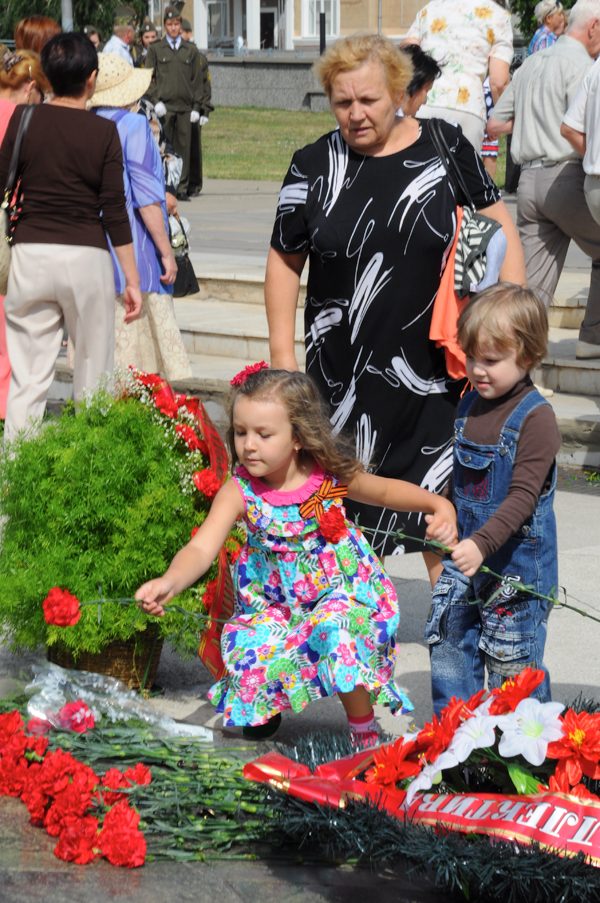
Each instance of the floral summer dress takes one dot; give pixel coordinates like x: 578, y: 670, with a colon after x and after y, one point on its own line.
x: 314, y: 617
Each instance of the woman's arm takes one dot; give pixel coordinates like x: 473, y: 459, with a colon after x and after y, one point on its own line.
x: 154, y: 222
x: 196, y: 557
x: 402, y: 496
x: 513, y: 268
x: 282, y: 285
x: 132, y: 296
x: 499, y: 72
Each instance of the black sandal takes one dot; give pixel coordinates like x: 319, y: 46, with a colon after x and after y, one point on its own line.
x: 263, y: 731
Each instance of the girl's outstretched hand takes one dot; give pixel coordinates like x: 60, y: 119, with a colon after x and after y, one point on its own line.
x: 467, y: 557
x: 153, y: 595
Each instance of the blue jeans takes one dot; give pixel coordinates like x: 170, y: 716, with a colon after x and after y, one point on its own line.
x: 465, y: 638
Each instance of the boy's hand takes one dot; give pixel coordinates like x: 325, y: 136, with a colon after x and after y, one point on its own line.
x: 440, y: 530
x: 467, y: 557
x: 154, y: 595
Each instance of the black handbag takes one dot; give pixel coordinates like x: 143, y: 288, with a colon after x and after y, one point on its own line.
x: 476, y: 230
x: 186, y: 282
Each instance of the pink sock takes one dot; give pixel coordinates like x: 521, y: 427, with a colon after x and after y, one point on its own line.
x: 364, y: 725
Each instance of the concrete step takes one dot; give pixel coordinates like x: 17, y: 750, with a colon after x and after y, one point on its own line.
x: 568, y: 307
x: 242, y: 282
x: 229, y: 329
x: 562, y: 372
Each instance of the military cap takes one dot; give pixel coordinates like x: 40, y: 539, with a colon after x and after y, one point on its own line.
x: 125, y: 15
x: 174, y: 10
x: 186, y: 25
x: 148, y: 26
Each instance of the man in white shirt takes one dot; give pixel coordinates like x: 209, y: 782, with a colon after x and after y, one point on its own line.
x: 551, y: 207
x: 123, y: 34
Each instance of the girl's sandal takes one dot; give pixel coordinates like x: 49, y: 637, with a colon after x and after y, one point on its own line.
x: 263, y: 731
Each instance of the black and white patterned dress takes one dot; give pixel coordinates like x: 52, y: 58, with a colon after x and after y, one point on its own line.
x: 378, y: 231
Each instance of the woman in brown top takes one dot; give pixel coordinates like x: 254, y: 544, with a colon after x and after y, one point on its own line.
x: 71, y: 193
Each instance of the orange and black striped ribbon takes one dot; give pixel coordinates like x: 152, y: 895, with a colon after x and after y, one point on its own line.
x: 313, y: 507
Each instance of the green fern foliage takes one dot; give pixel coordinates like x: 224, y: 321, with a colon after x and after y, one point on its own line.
x: 96, y: 502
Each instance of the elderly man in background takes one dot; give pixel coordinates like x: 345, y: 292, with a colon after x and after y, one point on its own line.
x: 123, y: 34
x: 549, y: 14
x: 551, y: 207
x: 470, y: 40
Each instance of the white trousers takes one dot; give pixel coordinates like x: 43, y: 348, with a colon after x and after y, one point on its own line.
x: 51, y: 285
x: 473, y: 127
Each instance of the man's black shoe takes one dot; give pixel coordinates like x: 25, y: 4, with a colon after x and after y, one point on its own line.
x: 183, y: 197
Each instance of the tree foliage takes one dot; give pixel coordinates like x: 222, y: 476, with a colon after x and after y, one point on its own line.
x: 99, y: 13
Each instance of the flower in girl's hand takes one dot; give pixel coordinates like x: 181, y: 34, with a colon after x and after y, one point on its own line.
x: 61, y: 609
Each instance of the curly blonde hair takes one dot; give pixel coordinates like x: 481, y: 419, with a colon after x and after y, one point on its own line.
x: 309, y: 418
x: 350, y: 53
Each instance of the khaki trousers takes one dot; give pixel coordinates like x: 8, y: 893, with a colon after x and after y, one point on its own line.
x: 473, y: 127
x: 51, y: 285
x: 552, y: 212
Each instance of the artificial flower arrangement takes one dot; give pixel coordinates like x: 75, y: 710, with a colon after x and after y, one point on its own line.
x: 97, y: 502
x: 500, y: 764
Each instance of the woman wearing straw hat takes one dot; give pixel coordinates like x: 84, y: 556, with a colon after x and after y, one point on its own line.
x: 153, y: 343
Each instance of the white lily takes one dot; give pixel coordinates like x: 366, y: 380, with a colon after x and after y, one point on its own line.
x: 428, y: 775
x: 474, y: 733
x: 529, y: 729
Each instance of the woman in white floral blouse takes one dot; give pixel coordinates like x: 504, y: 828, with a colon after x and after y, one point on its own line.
x: 471, y: 39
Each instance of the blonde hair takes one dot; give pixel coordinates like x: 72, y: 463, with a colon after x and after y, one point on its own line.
x: 21, y: 67
x: 352, y: 52
x: 308, y: 415
x: 506, y: 316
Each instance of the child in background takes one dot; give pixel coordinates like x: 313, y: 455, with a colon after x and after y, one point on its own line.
x: 316, y: 614
x: 503, y: 480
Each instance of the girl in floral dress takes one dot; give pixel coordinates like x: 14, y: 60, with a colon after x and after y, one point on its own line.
x: 316, y: 614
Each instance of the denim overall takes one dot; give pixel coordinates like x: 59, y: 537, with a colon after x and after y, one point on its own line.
x: 509, y: 634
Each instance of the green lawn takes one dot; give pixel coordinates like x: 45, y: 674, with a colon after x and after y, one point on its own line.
x: 258, y: 143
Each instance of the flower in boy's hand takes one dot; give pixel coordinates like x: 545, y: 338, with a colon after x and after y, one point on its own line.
x: 207, y: 482
x: 61, y: 609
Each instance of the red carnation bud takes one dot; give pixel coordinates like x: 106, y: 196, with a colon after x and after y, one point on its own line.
x: 207, y: 482
x: 333, y: 525
x: 61, y: 609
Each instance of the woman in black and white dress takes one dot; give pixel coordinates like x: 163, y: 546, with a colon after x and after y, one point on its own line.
x: 370, y: 204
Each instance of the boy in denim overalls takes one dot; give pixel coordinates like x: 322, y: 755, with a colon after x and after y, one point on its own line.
x: 503, y: 481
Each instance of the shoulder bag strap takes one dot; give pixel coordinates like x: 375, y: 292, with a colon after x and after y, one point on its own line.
x: 448, y: 159
x: 11, y: 181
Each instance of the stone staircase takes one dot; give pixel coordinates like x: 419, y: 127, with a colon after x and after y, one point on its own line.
x: 224, y: 328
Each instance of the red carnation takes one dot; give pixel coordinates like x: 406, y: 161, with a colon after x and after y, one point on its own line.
x: 13, y: 776
x: 120, y: 840
x: 164, y: 400
x: 140, y: 775
x: 207, y: 482
x: 333, y: 525
x: 77, y: 840
x: 61, y: 608
x: 39, y: 726
x: 73, y: 801
x: 115, y: 780
x: 190, y: 438
x: 234, y: 548
x: 151, y: 380
x: 75, y: 716
x: 208, y: 597
x: 10, y: 724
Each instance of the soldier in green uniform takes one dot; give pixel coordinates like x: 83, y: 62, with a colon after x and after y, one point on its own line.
x: 195, y: 184
x: 177, y: 88
x: 148, y: 35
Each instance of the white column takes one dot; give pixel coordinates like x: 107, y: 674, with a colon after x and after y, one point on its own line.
x: 200, y: 24
x: 289, y: 25
x: 238, y: 25
x: 253, y: 24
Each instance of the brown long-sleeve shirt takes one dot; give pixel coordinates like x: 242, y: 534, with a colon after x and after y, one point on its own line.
x: 71, y: 170
x: 538, y: 443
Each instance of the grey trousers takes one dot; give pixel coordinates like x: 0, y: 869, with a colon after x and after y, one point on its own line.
x: 552, y: 211
x: 591, y: 187
x: 50, y: 285
x: 473, y: 127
